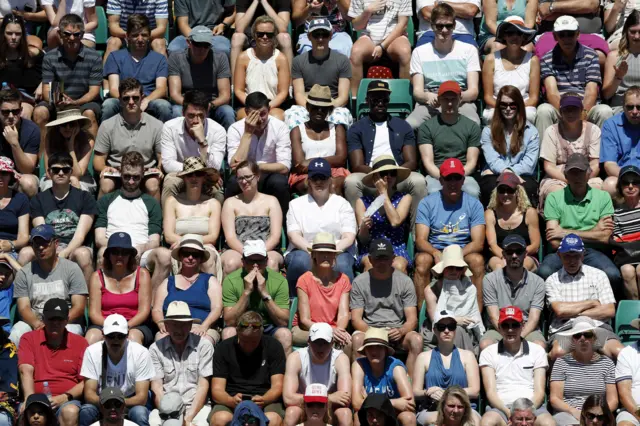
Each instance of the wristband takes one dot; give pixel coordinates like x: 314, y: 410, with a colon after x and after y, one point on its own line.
x: 69, y: 396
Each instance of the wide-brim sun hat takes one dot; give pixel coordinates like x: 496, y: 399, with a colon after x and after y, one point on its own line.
x: 179, y: 311
x: 452, y: 256
x: 195, y: 164
x: 69, y: 115
x: 192, y: 241
x: 320, y: 96
x: 518, y: 23
x: 385, y: 163
x: 7, y: 165
x: 325, y: 242
x: 581, y: 324
x: 376, y: 337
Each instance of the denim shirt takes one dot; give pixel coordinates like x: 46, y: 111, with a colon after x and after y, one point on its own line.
x: 362, y: 135
x: 523, y: 163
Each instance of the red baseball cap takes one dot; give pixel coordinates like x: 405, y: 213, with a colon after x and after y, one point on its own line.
x: 510, y: 313
x: 449, y: 86
x: 451, y: 166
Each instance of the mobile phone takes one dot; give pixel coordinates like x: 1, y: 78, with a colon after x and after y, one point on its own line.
x: 28, y: 8
x: 246, y: 397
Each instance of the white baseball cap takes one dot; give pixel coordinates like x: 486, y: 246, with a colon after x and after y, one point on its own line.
x: 252, y: 247
x: 320, y: 330
x: 115, y: 323
x: 440, y: 315
x: 316, y: 392
x: 566, y: 23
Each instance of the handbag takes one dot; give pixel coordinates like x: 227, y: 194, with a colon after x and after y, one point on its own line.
x: 626, y: 253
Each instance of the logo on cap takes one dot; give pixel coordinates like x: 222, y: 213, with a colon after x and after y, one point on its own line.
x: 116, y: 323
x: 452, y: 164
x: 572, y: 240
x: 382, y: 246
x: 57, y: 308
x: 380, y: 84
x: 320, y: 164
x: 510, y: 311
x: 121, y: 235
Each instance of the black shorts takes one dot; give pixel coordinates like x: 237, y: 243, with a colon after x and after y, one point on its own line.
x: 147, y: 334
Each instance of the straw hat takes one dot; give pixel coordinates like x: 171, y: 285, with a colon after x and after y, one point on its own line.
x: 195, y: 164
x: 324, y: 241
x: 452, y: 256
x: 376, y: 337
x: 384, y: 163
x: 581, y: 324
x: 69, y: 115
x: 518, y: 23
x: 179, y: 311
x: 320, y: 96
x: 193, y: 241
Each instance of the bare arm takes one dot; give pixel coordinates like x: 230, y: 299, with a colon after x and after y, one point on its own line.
x: 26, y: 380
x: 114, y: 27
x: 160, y: 92
x: 299, y: 95
x: 91, y: 17
x: 533, y: 227
x: 487, y: 72
x: 161, y: 28
x: 610, y: 82
x: 602, y: 312
x: 489, y: 380
x: 356, y: 320
x: 215, y: 298
x: 464, y: 10
x: 284, y: 76
x: 551, y: 86
x: 219, y: 393
x: 556, y: 398
x: 473, y: 374
x: 399, y: 30
x: 199, y: 399
x: 358, y: 393
x: 95, y: 300
x: 175, y: 89
x: 532, y: 322
x: 141, y: 395
x: 490, y: 10
x: 275, y: 392
x: 492, y: 236
x: 304, y: 310
x: 144, y: 299
x: 626, y: 397
x: 494, y: 315
x: 471, y: 94
x: 568, y: 310
x: 534, y: 78
x: 290, y: 394
x: 472, y: 160
x: 82, y: 230
x: 224, y: 93
x: 590, y: 95
x: 356, y: 161
x: 228, y: 218
x: 275, y: 230
x: 539, y: 381
x: 477, y: 241
x: 426, y: 153
x: 78, y: 303
x: 27, y: 315
x: 231, y: 314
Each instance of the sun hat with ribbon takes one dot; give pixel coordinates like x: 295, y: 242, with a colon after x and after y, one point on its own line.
x: 376, y: 337
x: 179, y: 311
x: 581, y: 324
x: 195, y: 164
x: 452, y: 256
x: 320, y: 96
x: 324, y: 241
x: 384, y: 163
x: 69, y: 115
x: 193, y: 241
x: 518, y: 23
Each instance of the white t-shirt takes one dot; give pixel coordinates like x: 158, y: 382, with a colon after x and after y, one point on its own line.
x: 438, y: 68
x: 381, y: 24
x: 72, y: 6
x: 628, y: 368
x: 126, y: 423
x: 514, y: 374
x: 381, y: 144
x: 7, y: 6
x: 463, y: 26
x: 135, y: 366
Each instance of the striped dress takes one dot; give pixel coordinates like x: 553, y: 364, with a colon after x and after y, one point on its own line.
x: 582, y: 380
x: 626, y: 224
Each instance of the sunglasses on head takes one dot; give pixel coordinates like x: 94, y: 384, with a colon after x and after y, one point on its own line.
x: 441, y: 27
x: 451, y: 326
x: 56, y: 170
x: 591, y: 416
x: 586, y: 334
x: 263, y: 34
x: 503, y: 189
x: 7, y: 112
x: 167, y: 416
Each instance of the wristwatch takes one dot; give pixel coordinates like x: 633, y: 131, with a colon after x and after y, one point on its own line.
x: 551, y: 6
x: 267, y: 298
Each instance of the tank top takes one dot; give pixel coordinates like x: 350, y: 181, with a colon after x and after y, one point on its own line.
x: 195, y: 296
x: 318, y: 149
x: 262, y: 76
x: 631, y: 79
x: 124, y: 304
x: 318, y: 373
x: 384, y: 384
x: 518, y: 78
x: 253, y: 228
x: 522, y: 229
x: 518, y: 8
x: 192, y: 225
x: 438, y: 375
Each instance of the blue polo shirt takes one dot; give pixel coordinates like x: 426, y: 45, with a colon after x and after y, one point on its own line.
x: 146, y: 71
x: 619, y: 141
x: 571, y: 77
x: 362, y: 135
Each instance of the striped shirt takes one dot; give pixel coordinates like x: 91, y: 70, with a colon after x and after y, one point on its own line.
x: 152, y: 9
x: 381, y: 24
x: 571, y: 77
x: 78, y: 75
x: 588, y: 284
x: 581, y: 380
x: 626, y: 225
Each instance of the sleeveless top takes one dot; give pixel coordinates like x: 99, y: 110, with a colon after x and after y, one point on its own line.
x: 318, y: 149
x: 262, y: 76
x: 631, y: 79
x: 195, y: 296
x: 518, y: 8
x: 253, y: 228
x: 124, y: 304
x: 438, y: 375
x: 192, y: 225
x: 384, y: 384
x: 518, y: 78
x: 522, y: 229
x: 318, y: 373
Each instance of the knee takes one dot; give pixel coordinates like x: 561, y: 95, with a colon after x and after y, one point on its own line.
x: 94, y: 335
x: 40, y: 115
x: 344, y: 416
x: 159, y: 44
x: 545, y: 420
x: 238, y: 39
x: 475, y: 261
x: 283, y: 335
x: 221, y: 418
x: 229, y: 265
x: 400, y: 264
x: 284, y: 39
x: 610, y: 185
x: 292, y: 414
x: 152, y: 185
x: 274, y: 419
x: 107, y: 185
x: 357, y: 340
x: 628, y: 272
x: 136, y: 336
x: 357, y: 52
x: 228, y: 332
x: 82, y: 256
x: 69, y: 414
x: 415, y: 342
x: 424, y: 261
x: 29, y: 185
x: 138, y: 414
x: 162, y: 258
x: 114, y: 43
x: 546, y: 109
x: 90, y: 115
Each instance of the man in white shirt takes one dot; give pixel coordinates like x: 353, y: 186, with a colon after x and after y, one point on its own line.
x: 512, y: 369
x: 628, y: 382
x: 112, y: 407
x: 192, y: 135
x: 319, y: 211
x: 265, y: 140
x: 127, y: 367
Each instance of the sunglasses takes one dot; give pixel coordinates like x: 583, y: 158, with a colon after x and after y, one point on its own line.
x: 508, y: 105
x: 197, y: 174
x: 321, y: 34
x: 263, y: 34
x: 383, y: 100
x: 113, y: 405
x: 390, y: 173
x: 7, y: 112
x: 119, y: 252
x: 451, y: 326
x: 135, y: 178
x: 503, y: 189
x: 441, y: 27
x: 116, y: 336
x: 250, y: 326
x: 517, y: 252
x: 629, y: 182
x: 245, y: 178
x: 76, y: 34
x: 56, y: 170
x: 566, y: 34
x: 513, y: 325
x: 69, y: 124
x: 586, y: 335
x: 5, y: 173
x: 194, y: 254
x: 453, y: 178
x: 591, y: 417
x: 172, y: 415
x: 200, y: 44
x: 511, y: 33
x: 248, y: 419
x: 629, y: 107
x: 130, y: 98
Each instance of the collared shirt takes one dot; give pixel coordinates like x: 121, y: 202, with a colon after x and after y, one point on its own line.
x: 588, y: 284
x: 116, y: 137
x: 628, y: 368
x: 273, y: 146
x: 152, y: 9
x: 362, y: 135
x: 498, y: 290
x: 581, y: 215
x: 620, y: 141
x: 178, y: 145
x: 149, y: 68
x: 78, y: 75
x: 522, y: 163
x: 181, y: 373
x: 571, y: 77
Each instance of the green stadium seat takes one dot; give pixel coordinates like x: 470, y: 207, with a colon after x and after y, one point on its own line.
x: 102, y: 32
x: 423, y: 316
x: 627, y: 311
x: 292, y: 311
x: 401, y: 102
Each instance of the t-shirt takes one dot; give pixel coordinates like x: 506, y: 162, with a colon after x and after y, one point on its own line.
x: 134, y: 366
x: 126, y: 423
x: 152, y: 9
x: 248, y: 374
x: 582, y: 380
x: 580, y: 215
x: 152, y: 66
x: 381, y: 24
x: 450, y: 223
x: 202, y: 77
x: 25, y: 79
x: 75, y: 7
x: 628, y: 368
x: 620, y: 142
x: 497, y: 290
x: 18, y: 206
x: 381, y: 145
x: 323, y: 301
x: 449, y: 140
x: 277, y: 287
x: 277, y: 5
x: 28, y: 139
x: 64, y: 214
x: 78, y: 75
x: 556, y: 149
x: 325, y: 72
x: 385, y: 384
x: 438, y: 68
x: 463, y: 26
x: 383, y: 301
x: 64, y: 281
x: 201, y: 12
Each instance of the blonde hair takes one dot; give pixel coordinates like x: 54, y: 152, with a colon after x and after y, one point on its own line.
x: 457, y: 392
x: 521, y: 198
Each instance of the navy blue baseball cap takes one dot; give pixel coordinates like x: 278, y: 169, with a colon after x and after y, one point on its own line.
x: 46, y: 232
x: 628, y: 169
x: 514, y: 239
x: 319, y: 167
x: 120, y: 240
x: 571, y: 243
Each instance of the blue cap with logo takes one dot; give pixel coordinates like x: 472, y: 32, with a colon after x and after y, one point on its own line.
x: 46, y: 232
x: 319, y: 167
x: 571, y: 243
x: 514, y: 239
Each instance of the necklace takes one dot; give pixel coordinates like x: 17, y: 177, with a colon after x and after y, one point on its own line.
x: 191, y: 280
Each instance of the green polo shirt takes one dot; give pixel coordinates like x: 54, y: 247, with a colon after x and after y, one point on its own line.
x: 580, y: 215
x: 277, y: 287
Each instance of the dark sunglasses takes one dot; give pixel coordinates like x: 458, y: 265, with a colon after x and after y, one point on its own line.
x: 508, y: 105
x: 320, y: 34
x: 113, y: 405
x: 200, y: 44
x: 56, y: 170
x: 197, y: 174
x: 629, y: 182
x: 7, y: 112
x: 76, y: 34
x: 390, y: 173
x: 383, y: 100
x: 629, y: 107
x: 116, y: 336
x: 451, y: 326
x: 453, y: 178
x: 263, y: 34
x: 129, y: 98
x: 250, y: 326
x: 566, y: 34
x: 518, y: 252
x: 119, y: 252
x: 6, y: 173
x: 194, y: 254
x: 513, y: 325
x: 132, y: 177
x: 586, y: 334
x: 440, y: 27
x: 503, y: 189
x: 172, y: 415
x: 591, y: 417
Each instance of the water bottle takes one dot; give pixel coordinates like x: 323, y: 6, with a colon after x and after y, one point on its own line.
x: 5, y: 85
x: 47, y: 390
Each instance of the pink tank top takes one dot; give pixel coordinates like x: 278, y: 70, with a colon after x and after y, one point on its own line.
x: 124, y: 304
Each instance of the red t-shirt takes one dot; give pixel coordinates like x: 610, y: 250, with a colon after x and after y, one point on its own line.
x: 60, y: 367
x: 324, y: 301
